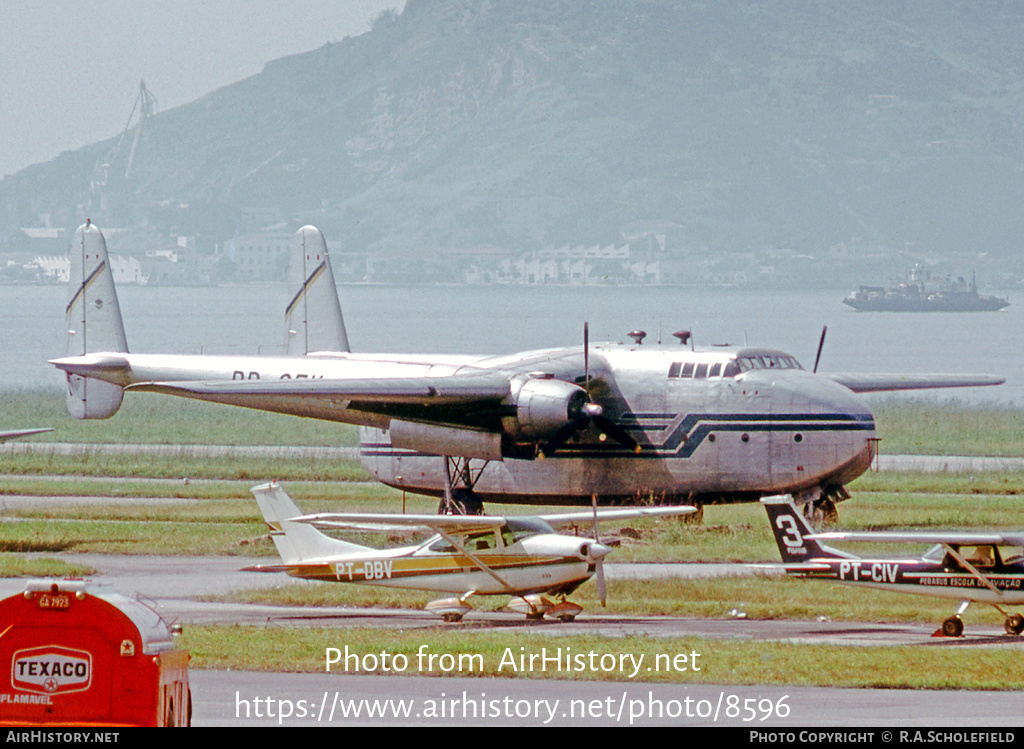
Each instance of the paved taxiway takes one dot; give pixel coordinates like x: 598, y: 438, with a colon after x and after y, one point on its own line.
x: 173, y: 585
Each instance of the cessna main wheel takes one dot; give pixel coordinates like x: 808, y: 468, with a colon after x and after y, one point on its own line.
x: 953, y: 627
x: 1014, y: 624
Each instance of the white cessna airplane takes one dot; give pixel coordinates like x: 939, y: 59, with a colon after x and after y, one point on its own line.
x: 611, y: 421
x: 522, y: 557
x: 963, y: 566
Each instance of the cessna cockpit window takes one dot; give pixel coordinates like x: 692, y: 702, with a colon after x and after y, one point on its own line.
x: 1011, y: 554
x: 472, y: 542
x: 517, y: 529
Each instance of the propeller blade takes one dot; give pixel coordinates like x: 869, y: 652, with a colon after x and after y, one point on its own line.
x: 602, y: 592
x: 821, y: 343
x: 586, y: 356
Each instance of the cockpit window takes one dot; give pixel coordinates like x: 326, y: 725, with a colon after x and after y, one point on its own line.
x: 517, y: 529
x: 979, y: 556
x: 1011, y: 554
x: 773, y: 361
x: 471, y: 542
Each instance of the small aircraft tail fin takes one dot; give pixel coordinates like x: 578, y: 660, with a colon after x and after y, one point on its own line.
x: 792, y: 533
x: 296, y: 542
x: 94, y: 324
x: 313, y: 316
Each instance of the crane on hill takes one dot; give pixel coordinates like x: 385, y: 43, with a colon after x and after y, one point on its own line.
x: 145, y: 104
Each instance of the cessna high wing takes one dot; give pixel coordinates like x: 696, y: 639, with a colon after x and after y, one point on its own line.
x: 965, y: 567
x: 611, y: 421
x: 521, y: 557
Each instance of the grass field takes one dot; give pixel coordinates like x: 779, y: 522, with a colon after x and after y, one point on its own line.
x: 207, y: 508
x: 905, y: 426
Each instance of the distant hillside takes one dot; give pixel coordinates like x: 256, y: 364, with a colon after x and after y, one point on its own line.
x: 521, y: 124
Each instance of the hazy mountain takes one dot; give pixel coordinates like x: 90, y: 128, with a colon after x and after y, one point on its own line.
x: 526, y: 123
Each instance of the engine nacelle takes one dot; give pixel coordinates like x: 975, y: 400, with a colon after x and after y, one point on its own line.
x: 543, y: 406
x: 444, y: 440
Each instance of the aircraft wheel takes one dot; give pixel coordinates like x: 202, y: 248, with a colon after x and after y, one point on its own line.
x: 829, y: 512
x: 953, y: 627
x: 1014, y: 624
x: 535, y: 616
x: 464, y: 502
x: 567, y: 618
x: 452, y: 617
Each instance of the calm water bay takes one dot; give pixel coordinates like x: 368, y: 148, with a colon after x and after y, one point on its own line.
x: 502, y: 319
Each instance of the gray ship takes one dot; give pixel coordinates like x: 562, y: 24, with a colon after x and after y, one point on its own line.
x: 913, y: 296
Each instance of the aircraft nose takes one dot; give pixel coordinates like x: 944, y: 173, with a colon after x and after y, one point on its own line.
x: 825, y: 432
x: 806, y: 393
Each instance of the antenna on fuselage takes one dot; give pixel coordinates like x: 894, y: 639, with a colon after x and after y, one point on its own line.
x: 821, y: 343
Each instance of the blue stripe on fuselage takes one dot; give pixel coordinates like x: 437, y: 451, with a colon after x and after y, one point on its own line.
x: 688, y: 434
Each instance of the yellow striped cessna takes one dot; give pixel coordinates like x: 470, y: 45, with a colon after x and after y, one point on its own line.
x: 613, y: 421
x: 521, y: 557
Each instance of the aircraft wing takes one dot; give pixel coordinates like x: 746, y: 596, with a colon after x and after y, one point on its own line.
x: 463, y: 523
x: 13, y: 434
x: 568, y: 519
x: 951, y: 538
x: 322, y: 398
x: 877, y: 383
x: 385, y: 521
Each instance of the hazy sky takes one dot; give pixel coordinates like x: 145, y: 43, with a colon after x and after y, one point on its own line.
x: 70, y: 69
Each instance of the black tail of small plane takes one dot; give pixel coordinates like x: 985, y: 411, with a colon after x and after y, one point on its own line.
x: 791, y: 533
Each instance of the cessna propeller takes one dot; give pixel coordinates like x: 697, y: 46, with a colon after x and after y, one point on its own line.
x: 602, y: 591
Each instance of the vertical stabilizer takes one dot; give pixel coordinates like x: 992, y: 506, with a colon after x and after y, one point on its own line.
x: 93, y: 323
x: 791, y: 533
x: 295, y: 542
x: 313, y: 315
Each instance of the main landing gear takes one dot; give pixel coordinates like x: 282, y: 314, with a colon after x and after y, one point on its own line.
x: 1013, y: 624
x: 819, y: 505
x: 459, y: 480
x: 535, y: 607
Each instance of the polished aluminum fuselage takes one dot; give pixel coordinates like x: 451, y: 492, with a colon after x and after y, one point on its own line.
x: 735, y: 437
x: 730, y: 438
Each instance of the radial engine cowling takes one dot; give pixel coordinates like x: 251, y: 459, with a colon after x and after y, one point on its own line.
x: 544, y: 405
